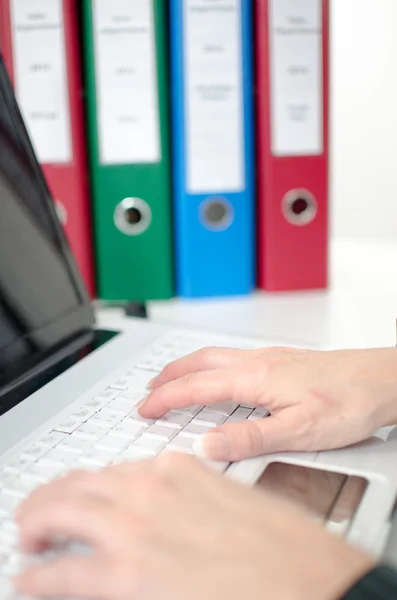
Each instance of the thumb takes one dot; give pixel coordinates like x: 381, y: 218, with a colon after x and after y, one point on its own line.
x: 237, y: 441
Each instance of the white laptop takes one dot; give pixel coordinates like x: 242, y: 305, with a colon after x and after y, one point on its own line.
x: 68, y: 390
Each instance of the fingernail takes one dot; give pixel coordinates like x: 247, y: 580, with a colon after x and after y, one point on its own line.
x: 215, y: 445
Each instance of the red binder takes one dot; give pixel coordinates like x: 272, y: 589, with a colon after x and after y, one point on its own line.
x: 292, y: 59
x: 67, y: 171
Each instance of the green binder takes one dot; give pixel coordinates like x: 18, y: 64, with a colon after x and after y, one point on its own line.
x: 126, y: 80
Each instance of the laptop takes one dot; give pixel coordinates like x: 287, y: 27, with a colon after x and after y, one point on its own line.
x: 68, y: 389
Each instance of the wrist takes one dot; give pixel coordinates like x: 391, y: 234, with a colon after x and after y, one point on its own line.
x: 349, y: 574
x: 385, y: 400
x: 382, y: 388
x: 337, y: 571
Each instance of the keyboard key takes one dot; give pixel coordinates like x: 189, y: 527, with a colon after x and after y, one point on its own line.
x: 5, y: 479
x: 14, y: 491
x: 96, y: 458
x: 8, y: 537
x: 97, y: 403
x: 7, y: 505
x: 83, y: 415
x: 27, y: 484
x: 149, y: 445
x: 205, y: 417
x: 17, y: 465
x: 176, y: 420
x: 43, y: 473
x: 105, y: 419
x: 181, y: 444
x: 47, y: 472
x: 58, y: 458
x: 135, y: 416
x: 158, y: 365
x: 128, y: 429
x: 259, y: 413
x: 118, y: 407
x: 154, y: 353
x: 139, y: 380
x: 89, y: 467
x: 133, y: 453
x: 113, y: 443
x: 12, y: 566
x: 150, y: 364
x: 241, y: 414
x: 107, y: 394
x: 132, y: 395
x: 161, y: 432
x: 5, y: 583
x: 4, y: 571
x: 223, y: 408
x: 75, y: 445
x: 52, y: 439
x: 193, y: 430
x: 189, y: 410
x: 68, y: 425
x: 166, y: 345
x: 89, y: 432
x: 121, y: 384
x: 34, y: 452
x: 10, y: 525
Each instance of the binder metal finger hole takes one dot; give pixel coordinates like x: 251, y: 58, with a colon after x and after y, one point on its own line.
x: 216, y: 214
x: 299, y: 207
x: 132, y: 216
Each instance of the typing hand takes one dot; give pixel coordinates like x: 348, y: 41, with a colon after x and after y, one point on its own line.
x: 318, y: 400
x: 168, y: 528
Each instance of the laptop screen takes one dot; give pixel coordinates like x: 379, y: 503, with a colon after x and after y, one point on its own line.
x: 42, y: 299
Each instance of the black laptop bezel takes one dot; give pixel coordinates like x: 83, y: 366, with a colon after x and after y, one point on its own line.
x: 80, y: 319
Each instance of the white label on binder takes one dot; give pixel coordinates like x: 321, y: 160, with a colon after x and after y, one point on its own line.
x: 40, y: 70
x: 214, y: 114
x: 296, y: 77
x: 126, y: 81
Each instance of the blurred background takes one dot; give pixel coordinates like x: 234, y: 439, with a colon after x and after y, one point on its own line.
x: 200, y: 150
x: 363, y: 119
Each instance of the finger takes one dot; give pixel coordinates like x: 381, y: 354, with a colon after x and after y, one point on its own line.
x: 205, y: 359
x: 205, y: 387
x: 113, y: 486
x: 60, y: 488
x: 69, y: 577
x: 237, y: 441
x: 215, y: 358
x: 77, y: 517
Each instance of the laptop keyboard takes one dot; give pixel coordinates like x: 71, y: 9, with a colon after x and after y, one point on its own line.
x: 107, y: 430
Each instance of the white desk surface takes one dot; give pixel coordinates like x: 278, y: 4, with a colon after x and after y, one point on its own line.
x: 358, y: 310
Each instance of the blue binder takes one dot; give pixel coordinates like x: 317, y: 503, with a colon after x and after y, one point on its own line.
x: 213, y: 146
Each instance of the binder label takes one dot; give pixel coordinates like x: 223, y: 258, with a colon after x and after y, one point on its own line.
x: 296, y: 78
x: 40, y: 70
x: 126, y: 82
x: 214, y: 116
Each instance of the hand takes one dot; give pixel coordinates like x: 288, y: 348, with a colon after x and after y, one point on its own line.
x: 168, y: 528
x: 318, y: 400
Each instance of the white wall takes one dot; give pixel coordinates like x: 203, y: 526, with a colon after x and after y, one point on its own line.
x: 364, y: 119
